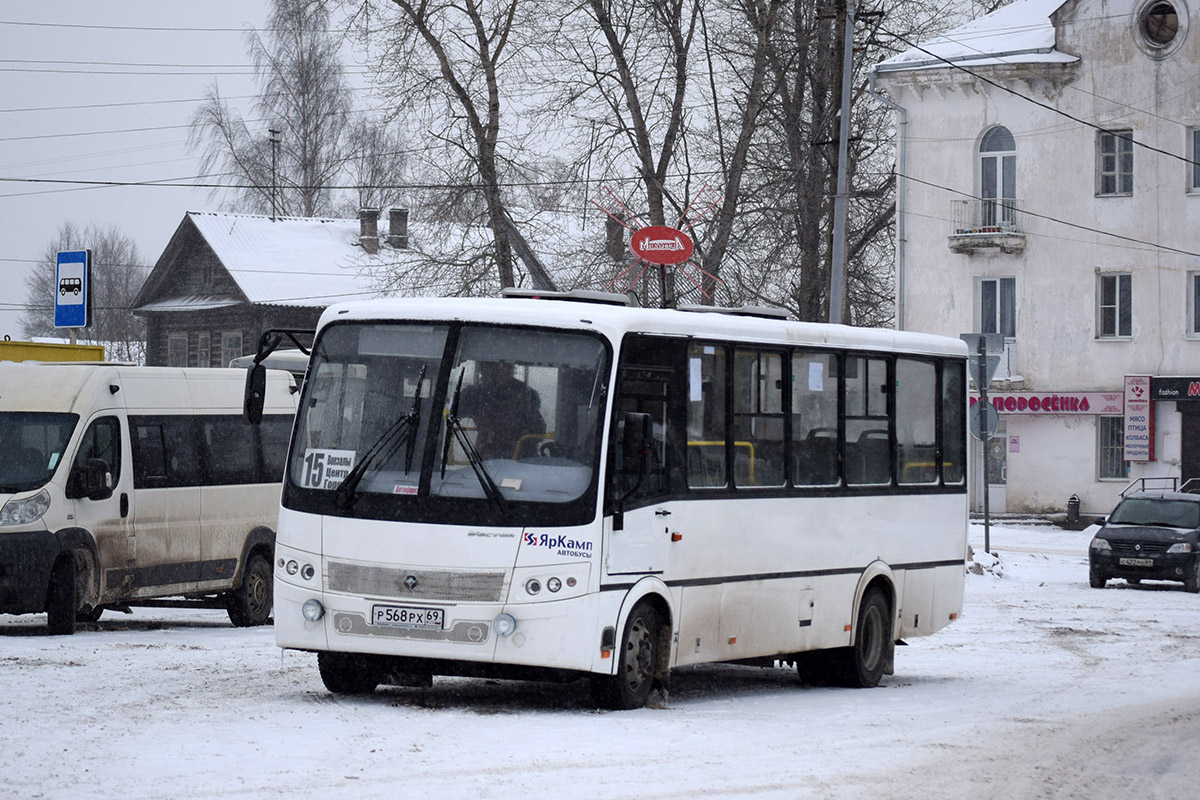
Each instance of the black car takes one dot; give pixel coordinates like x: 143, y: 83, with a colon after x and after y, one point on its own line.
x: 1151, y: 536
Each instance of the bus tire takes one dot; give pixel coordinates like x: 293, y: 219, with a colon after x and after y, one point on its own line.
x: 61, y: 598
x: 864, y: 662
x: 349, y: 673
x: 638, y: 661
x: 250, y: 603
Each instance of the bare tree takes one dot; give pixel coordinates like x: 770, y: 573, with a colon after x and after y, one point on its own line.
x: 304, y: 96
x: 117, y: 275
x: 445, y: 61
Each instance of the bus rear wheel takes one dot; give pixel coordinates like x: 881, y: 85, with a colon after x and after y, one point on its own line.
x: 639, y: 657
x: 349, y: 673
x: 864, y: 661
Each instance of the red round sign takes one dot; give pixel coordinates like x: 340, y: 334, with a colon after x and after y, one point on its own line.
x: 660, y: 244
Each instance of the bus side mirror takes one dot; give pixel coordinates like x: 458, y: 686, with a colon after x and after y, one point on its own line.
x: 636, y: 443
x: 97, y: 480
x: 256, y: 393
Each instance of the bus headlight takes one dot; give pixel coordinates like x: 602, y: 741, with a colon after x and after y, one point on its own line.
x: 25, y: 510
x: 312, y: 609
x: 504, y: 624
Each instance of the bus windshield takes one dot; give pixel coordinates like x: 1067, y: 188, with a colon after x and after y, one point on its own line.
x: 458, y: 422
x: 32, y: 443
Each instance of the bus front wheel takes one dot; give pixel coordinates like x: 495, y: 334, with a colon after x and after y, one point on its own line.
x: 349, y: 673
x: 639, y: 656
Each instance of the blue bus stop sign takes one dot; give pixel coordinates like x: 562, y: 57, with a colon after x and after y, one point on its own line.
x: 72, y: 289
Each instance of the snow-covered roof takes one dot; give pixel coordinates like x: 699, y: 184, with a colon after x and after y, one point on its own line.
x: 291, y: 261
x: 1019, y: 33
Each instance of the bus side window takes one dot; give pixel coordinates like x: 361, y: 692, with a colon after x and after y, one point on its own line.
x: 916, y: 421
x: 815, y: 437
x: 867, y: 433
x: 101, y: 440
x: 706, y: 441
x: 954, y: 444
x: 642, y: 390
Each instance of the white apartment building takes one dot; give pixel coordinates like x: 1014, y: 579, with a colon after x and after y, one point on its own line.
x: 1050, y: 192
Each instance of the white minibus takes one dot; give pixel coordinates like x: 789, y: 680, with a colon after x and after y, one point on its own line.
x: 124, y: 486
x: 563, y: 488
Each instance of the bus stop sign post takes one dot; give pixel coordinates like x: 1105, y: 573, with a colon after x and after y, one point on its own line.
x: 72, y: 290
x: 984, y: 360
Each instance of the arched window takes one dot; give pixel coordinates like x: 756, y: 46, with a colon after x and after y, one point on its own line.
x: 997, y: 177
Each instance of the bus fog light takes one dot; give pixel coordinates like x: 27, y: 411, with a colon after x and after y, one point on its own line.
x: 533, y: 586
x: 313, y: 610
x: 554, y: 584
x: 292, y: 568
x: 504, y: 624
x: 307, y: 572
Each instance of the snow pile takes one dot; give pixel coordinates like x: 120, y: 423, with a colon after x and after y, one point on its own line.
x: 981, y: 561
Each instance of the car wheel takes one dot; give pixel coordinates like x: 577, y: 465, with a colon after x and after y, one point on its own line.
x: 250, y: 603
x: 1191, y: 580
x: 1097, y: 580
x: 61, y: 598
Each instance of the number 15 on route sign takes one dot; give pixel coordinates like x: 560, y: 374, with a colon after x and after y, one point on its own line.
x: 72, y: 285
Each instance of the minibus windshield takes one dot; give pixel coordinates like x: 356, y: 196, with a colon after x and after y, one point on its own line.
x: 401, y: 419
x: 32, y: 444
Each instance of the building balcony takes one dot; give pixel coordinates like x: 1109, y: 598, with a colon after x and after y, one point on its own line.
x: 985, y: 224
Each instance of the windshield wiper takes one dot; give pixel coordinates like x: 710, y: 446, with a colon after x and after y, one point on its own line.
x: 400, y: 432
x: 453, y: 424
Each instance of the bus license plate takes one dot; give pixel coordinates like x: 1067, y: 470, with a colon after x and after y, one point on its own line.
x: 414, y: 618
x: 1137, y: 562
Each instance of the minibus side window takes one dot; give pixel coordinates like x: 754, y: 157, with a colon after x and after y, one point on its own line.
x: 101, y: 440
x: 229, y: 450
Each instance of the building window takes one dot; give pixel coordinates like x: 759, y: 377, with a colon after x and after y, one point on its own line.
x: 997, y: 178
x: 204, y: 350
x: 177, y: 350
x: 1193, y: 301
x: 1111, y: 453
x: 1115, y: 306
x: 231, y: 344
x: 1160, y: 23
x: 1114, y: 162
x: 998, y: 306
x: 1193, y: 151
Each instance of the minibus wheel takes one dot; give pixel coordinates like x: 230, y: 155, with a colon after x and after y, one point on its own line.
x: 250, y: 603
x: 61, y: 598
x: 349, y: 673
x: 637, y: 663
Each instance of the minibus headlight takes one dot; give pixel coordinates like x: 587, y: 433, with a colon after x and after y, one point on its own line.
x: 25, y: 510
x: 312, y: 609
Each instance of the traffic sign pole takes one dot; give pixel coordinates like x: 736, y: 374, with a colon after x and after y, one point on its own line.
x: 987, y: 437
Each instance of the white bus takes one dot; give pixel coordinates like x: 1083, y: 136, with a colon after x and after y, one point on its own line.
x: 552, y: 488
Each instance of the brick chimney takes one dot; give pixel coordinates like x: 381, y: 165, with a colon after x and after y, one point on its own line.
x: 368, y: 229
x: 398, y: 228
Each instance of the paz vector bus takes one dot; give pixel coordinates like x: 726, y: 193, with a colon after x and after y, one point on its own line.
x: 568, y: 487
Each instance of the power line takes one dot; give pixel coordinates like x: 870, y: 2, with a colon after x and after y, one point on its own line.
x: 1039, y: 103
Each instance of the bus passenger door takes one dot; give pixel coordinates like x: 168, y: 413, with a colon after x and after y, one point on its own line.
x: 637, y: 528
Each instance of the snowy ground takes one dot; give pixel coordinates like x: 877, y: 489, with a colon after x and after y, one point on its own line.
x: 1045, y: 688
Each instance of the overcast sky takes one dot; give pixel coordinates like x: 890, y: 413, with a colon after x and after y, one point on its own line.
x: 104, y: 91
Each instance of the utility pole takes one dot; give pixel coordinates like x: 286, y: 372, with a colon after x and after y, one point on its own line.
x: 837, y: 270
x: 274, y: 171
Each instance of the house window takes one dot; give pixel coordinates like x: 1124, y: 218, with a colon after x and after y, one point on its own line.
x: 998, y: 306
x: 997, y: 177
x: 1115, y: 306
x: 1111, y: 452
x: 1160, y: 24
x: 177, y: 350
x: 1114, y: 162
x: 1193, y: 301
x: 204, y: 350
x: 1193, y: 151
x: 231, y: 343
